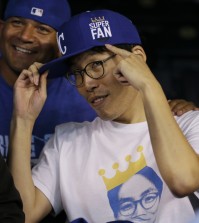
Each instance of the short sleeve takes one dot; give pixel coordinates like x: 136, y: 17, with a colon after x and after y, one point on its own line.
x: 189, y: 123
x: 46, y: 174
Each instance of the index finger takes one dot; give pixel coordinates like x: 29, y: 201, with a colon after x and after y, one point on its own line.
x: 121, y: 52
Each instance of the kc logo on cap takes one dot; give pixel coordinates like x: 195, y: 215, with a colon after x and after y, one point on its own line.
x: 60, y: 40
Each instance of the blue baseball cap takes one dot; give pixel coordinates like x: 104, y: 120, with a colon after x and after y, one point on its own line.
x: 87, y: 30
x: 50, y: 12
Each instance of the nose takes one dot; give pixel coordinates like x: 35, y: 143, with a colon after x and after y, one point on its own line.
x: 140, y: 210
x: 27, y: 33
x: 90, y: 83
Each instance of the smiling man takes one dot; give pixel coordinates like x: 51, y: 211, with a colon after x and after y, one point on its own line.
x: 135, y: 162
x: 28, y: 35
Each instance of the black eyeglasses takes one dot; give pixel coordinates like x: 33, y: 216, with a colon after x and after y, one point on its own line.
x: 148, y: 201
x: 94, y: 70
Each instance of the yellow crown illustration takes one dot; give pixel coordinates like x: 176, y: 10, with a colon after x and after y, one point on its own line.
x: 99, y: 19
x: 121, y: 177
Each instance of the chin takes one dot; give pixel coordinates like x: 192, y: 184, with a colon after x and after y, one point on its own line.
x: 105, y: 116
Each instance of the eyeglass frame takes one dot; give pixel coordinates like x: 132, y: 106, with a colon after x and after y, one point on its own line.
x: 82, y: 71
x: 140, y: 201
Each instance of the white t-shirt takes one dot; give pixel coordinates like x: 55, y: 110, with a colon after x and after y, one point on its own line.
x: 103, y: 171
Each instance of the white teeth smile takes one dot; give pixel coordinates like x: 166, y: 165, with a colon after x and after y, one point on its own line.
x: 23, y: 50
x: 98, y: 100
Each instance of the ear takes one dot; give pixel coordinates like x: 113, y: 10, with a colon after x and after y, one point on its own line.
x: 138, y: 50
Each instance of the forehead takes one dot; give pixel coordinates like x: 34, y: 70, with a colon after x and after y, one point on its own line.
x: 87, y: 56
x: 30, y: 21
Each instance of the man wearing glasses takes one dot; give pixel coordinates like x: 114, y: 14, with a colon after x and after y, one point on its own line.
x: 135, y: 162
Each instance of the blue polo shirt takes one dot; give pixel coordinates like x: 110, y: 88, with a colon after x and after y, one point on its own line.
x: 63, y: 104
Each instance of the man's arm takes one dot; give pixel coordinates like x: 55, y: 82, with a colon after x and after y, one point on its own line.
x: 177, y: 161
x: 29, y: 98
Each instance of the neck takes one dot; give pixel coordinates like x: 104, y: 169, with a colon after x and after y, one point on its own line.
x: 134, y: 113
x: 8, y: 75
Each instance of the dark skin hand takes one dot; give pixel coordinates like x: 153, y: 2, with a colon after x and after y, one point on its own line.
x: 181, y: 106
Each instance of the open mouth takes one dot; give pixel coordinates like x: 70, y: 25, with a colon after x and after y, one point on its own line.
x: 22, y: 50
x: 98, y: 100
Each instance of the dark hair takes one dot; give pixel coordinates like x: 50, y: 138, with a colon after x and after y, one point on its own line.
x: 101, y: 49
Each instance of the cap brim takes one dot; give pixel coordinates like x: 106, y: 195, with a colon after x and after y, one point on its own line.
x: 58, y: 67
x: 55, y: 68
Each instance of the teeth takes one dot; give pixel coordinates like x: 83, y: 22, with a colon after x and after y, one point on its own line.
x: 23, y: 50
x: 97, y: 100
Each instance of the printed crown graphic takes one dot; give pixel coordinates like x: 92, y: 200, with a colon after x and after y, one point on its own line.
x: 99, y: 19
x: 121, y: 177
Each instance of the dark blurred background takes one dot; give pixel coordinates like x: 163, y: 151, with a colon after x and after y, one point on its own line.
x: 170, y: 34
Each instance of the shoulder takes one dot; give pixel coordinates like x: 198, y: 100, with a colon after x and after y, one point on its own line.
x: 189, y: 122
x: 188, y: 118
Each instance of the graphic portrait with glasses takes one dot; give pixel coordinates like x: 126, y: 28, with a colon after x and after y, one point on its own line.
x: 141, y: 202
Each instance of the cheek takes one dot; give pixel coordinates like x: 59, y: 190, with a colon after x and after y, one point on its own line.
x: 4, y: 35
x: 55, y: 49
x: 47, y: 41
x: 118, y: 91
x: 49, y: 50
x: 5, y: 39
x: 9, y: 32
x: 81, y: 91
